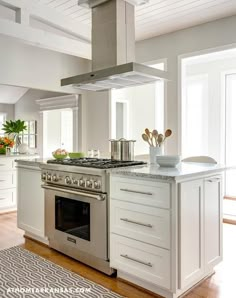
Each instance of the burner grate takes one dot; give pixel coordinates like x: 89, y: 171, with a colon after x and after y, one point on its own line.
x: 98, y: 163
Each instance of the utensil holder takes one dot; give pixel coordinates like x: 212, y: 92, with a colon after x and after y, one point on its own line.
x: 153, y: 152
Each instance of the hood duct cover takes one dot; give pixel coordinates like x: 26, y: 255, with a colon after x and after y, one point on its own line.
x: 113, y: 50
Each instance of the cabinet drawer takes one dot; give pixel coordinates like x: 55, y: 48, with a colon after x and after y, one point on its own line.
x: 6, y: 163
x: 144, y: 223
x: 142, y: 260
x: 7, y: 179
x: 150, y: 193
x: 7, y: 198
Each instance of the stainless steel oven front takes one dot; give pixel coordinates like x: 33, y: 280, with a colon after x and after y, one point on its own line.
x: 76, y: 225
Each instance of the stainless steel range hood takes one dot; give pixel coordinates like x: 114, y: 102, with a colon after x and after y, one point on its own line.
x: 113, y: 50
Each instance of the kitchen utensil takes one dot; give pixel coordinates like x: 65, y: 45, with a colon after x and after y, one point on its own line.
x: 168, y: 133
x: 155, y: 136
x: 148, y: 133
x: 146, y: 139
x: 160, y: 139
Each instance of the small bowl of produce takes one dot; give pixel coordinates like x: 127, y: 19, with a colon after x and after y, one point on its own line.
x: 168, y: 161
x: 60, y: 154
x: 76, y: 155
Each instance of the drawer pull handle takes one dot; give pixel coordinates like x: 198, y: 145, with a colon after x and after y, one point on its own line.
x: 135, y: 191
x: 136, y: 260
x: 213, y: 180
x: 2, y: 164
x: 2, y: 180
x: 1, y: 199
x: 136, y: 222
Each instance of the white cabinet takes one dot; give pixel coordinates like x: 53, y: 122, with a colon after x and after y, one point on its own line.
x: 165, y: 236
x: 140, y: 229
x: 7, y: 184
x: 191, y: 232
x: 30, y: 211
x: 213, y: 221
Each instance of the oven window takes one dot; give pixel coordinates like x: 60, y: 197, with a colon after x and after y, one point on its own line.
x: 73, y: 217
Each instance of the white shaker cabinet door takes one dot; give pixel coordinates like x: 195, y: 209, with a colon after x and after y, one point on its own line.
x: 191, y: 232
x: 213, y: 221
x: 30, y: 213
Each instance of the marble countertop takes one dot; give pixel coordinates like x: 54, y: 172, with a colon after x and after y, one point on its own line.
x: 18, y: 155
x: 183, y: 170
x: 31, y: 161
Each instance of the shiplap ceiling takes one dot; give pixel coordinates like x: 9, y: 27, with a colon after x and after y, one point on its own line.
x: 158, y: 16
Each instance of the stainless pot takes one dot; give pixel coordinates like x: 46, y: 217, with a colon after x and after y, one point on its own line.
x: 122, y: 149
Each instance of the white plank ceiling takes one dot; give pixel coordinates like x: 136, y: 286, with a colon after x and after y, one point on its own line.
x: 158, y: 16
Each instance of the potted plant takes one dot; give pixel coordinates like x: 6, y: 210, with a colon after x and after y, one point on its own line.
x: 14, y: 128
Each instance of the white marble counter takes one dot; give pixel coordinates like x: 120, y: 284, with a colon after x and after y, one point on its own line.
x: 31, y: 161
x: 183, y: 170
x: 12, y: 155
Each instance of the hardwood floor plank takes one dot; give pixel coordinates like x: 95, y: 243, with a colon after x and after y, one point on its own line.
x: 219, y: 285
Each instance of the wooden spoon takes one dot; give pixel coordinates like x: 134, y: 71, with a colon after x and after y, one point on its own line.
x: 146, y: 139
x: 168, y: 133
x: 155, y: 136
x: 160, y: 139
x: 148, y: 133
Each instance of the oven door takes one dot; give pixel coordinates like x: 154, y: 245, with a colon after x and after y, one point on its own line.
x: 76, y: 220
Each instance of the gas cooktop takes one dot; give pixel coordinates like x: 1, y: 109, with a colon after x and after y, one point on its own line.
x: 99, y: 163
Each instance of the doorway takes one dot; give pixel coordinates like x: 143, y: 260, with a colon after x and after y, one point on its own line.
x: 208, y: 115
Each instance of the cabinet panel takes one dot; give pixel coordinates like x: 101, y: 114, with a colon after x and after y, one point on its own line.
x: 144, y: 223
x: 136, y: 191
x: 213, y: 222
x: 7, y: 179
x: 140, y: 259
x: 30, y: 213
x: 191, y: 263
x: 6, y: 163
x: 7, y: 198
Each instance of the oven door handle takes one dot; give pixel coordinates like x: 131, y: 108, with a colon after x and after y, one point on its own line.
x: 99, y: 197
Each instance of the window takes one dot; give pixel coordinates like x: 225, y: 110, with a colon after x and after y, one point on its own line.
x: 29, y: 136
x: 2, y: 121
x: 195, y: 116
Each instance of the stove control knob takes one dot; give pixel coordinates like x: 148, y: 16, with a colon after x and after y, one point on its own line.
x: 68, y: 180
x: 82, y: 182
x: 89, y: 183
x: 74, y: 181
x: 49, y: 177
x: 97, y: 184
x: 55, y: 178
x: 43, y: 176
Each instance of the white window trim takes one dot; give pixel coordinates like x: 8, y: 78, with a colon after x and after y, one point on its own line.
x: 73, y: 102
x: 126, y: 116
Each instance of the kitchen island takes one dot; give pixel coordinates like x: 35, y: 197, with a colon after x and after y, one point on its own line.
x: 166, y: 225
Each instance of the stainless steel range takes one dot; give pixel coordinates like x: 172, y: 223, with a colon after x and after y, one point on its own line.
x: 76, y: 208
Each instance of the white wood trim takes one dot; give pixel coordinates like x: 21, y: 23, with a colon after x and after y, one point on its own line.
x: 46, y: 40
x: 59, y: 102
x: 50, y: 16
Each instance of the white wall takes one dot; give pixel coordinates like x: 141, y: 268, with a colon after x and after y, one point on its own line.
x: 8, y: 109
x: 206, y: 36
x: 36, y: 68
x: 96, y: 121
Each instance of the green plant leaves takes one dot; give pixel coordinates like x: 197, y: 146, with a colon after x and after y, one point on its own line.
x: 14, y: 126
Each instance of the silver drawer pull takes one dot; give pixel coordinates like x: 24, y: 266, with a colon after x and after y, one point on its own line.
x: 135, y: 191
x: 136, y: 260
x: 136, y: 222
x: 3, y: 180
x: 2, y: 165
x: 1, y: 199
x: 213, y: 180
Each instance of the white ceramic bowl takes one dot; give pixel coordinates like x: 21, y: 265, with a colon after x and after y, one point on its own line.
x: 168, y: 161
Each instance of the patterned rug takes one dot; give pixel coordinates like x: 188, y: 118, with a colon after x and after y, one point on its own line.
x: 26, y: 275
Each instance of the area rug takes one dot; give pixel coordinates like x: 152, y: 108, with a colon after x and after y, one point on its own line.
x: 26, y: 275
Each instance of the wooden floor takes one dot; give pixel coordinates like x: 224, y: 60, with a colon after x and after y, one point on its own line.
x: 221, y: 285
